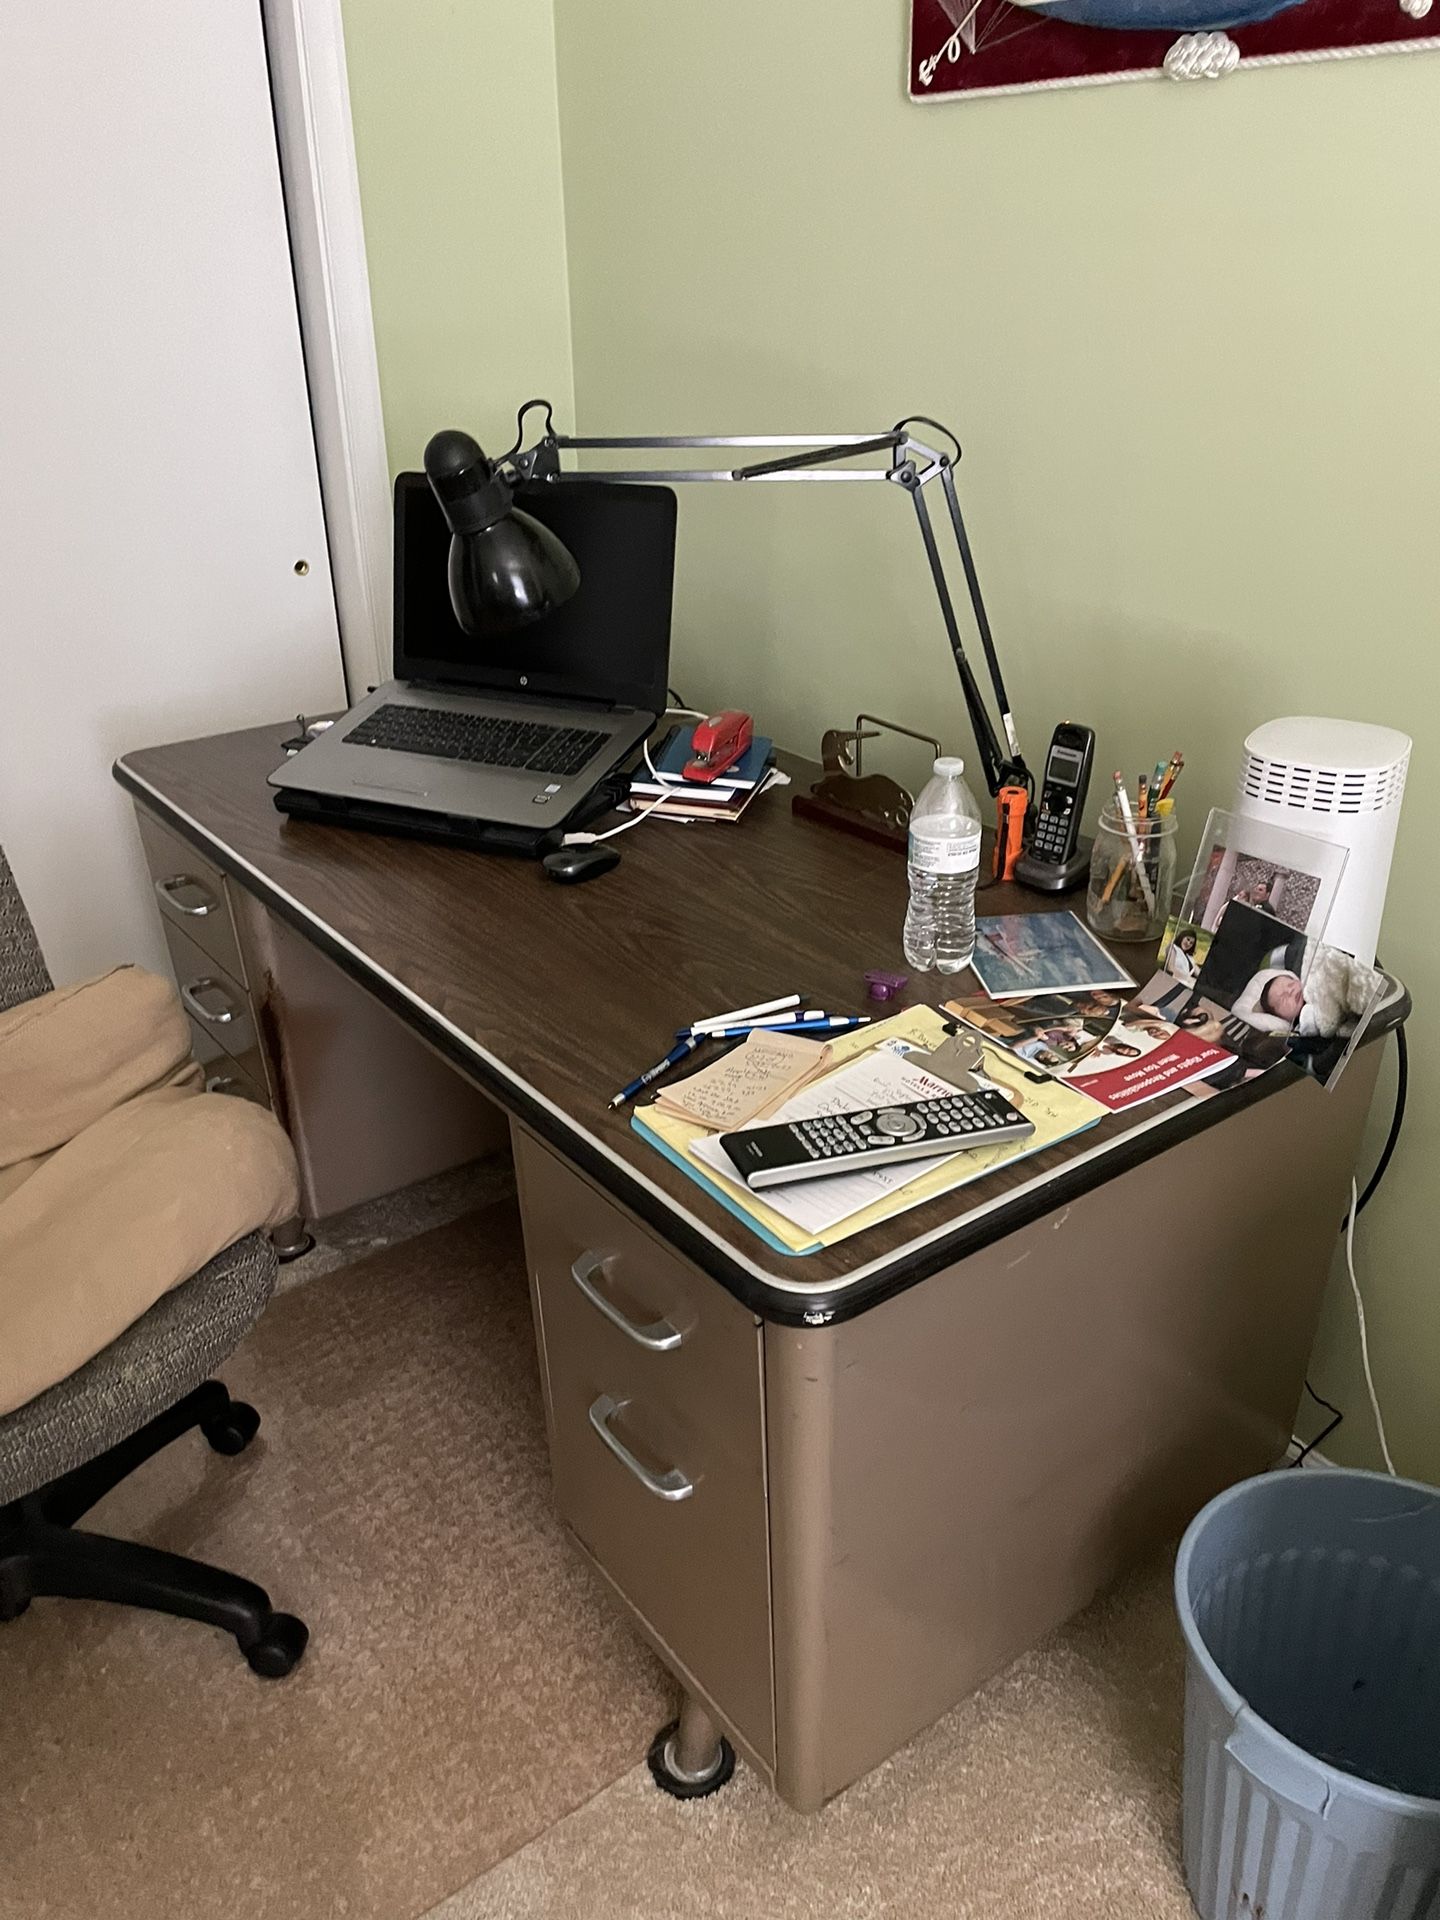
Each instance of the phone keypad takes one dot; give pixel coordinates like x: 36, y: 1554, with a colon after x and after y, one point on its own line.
x: 1052, y: 830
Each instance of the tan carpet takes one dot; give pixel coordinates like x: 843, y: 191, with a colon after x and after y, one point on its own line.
x: 1052, y: 1795
x: 465, y: 1686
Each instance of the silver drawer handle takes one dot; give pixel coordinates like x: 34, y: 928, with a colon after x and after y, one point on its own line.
x: 168, y: 891
x: 220, y: 1083
x: 659, y: 1336
x: 212, y: 1017
x: 670, y: 1485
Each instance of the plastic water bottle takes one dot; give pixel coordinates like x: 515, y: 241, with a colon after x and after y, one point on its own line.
x: 944, y: 866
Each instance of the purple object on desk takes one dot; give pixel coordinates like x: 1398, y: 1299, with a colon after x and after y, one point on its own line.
x: 885, y: 986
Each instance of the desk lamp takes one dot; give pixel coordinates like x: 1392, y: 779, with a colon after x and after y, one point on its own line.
x: 499, y: 582
x: 505, y: 568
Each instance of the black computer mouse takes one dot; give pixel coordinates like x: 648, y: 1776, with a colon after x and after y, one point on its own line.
x: 570, y: 865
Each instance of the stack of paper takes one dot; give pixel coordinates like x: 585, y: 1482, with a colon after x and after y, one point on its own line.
x: 1057, y: 1111
x: 748, y: 1083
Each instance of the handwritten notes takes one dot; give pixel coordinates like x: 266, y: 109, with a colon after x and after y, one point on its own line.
x: 747, y: 1083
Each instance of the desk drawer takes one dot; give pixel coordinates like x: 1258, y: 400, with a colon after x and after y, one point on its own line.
x: 191, y: 895
x: 653, y: 1380
x: 244, y: 1079
x: 218, y: 1006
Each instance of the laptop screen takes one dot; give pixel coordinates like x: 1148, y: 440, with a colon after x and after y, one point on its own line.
x: 609, y: 642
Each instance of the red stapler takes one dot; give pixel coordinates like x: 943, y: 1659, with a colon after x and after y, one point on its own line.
x: 718, y: 743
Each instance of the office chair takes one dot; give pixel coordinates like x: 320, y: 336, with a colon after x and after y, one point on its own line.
x: 63, y: 1450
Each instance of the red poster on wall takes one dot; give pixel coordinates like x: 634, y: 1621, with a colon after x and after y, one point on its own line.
x: 1013, y: 46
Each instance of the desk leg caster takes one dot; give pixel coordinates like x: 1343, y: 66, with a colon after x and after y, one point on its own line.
x: 690, y: 1757
x: 290, y: 1240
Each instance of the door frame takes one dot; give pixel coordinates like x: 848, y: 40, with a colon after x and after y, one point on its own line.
x: 305, y: 46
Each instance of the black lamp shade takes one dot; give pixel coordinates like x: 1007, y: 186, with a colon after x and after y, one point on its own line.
x: 508, y: 574
x: 506, y: 569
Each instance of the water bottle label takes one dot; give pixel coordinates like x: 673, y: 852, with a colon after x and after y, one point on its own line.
x: 932, y: 855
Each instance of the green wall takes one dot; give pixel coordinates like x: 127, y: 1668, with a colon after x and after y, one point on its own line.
x: 1187, y: 335
x: 457, y: 141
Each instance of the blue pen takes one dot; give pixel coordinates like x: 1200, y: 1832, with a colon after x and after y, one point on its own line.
x: 828, y: 1023
x: 676, y: 1054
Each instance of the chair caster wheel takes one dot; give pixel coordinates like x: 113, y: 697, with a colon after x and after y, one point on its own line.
x: 232, y: 1431
x: 684, y: 1786
x: 279, y: 1646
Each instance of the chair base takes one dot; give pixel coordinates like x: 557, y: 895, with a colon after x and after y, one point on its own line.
x: 44, y: 1554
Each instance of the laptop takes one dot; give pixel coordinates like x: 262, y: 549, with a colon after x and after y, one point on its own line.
x: 519, y: 731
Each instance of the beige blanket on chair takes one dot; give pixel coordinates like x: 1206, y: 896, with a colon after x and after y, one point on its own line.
x: 119, y: 1175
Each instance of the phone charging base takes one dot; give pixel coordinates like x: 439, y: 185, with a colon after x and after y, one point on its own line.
x: 1043, y: 876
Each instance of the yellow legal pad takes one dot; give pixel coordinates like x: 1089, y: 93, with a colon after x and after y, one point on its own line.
x: 1057, y: 1110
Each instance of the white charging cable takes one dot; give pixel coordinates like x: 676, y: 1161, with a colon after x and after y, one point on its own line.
x: 589, y: 839
x: 1364, y: 1338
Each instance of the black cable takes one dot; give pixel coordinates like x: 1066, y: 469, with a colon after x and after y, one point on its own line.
x: 1325, y: 1432
x: 1397, y: 1119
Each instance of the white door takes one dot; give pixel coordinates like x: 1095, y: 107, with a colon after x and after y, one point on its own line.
x: 163, y: 570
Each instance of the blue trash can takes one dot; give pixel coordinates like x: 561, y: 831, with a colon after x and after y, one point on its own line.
x: 1310, y: 1605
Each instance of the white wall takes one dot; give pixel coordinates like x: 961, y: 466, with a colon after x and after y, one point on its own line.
x: 158, y: 482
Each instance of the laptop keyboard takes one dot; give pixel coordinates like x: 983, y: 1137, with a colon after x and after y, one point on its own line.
x: 444, y: 733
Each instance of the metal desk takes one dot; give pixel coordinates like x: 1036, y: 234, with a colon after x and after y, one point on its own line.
x: 912, y: 1454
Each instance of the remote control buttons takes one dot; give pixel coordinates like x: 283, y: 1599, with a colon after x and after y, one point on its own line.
x: 898, y: 1125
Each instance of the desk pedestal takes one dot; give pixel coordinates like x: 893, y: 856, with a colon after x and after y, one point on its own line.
x: 886, y: 1511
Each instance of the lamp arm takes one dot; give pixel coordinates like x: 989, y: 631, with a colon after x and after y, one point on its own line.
x: 993, y: 760
x: 818, y: 456
x: 982, y: 619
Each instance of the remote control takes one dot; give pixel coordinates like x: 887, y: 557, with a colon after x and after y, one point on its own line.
x: 873, y: 1137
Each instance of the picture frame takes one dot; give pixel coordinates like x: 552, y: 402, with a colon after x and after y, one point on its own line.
x: 1292, y: 876
x: 971, y: 49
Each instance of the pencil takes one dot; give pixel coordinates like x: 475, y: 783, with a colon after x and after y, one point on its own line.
x: 1122, y: 800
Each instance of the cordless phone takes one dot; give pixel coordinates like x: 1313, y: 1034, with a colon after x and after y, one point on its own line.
x: 1055, y: 860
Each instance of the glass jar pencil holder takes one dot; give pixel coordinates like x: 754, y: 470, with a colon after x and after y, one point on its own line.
x: 1132, y: 875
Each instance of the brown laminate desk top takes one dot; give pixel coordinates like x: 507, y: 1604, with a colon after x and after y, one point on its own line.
x: 551, y: 997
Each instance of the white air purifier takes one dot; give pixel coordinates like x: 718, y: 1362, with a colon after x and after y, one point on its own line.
x: 1342, y: 781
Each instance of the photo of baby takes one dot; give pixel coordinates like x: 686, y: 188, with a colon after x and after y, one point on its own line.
x: 1277, y: 995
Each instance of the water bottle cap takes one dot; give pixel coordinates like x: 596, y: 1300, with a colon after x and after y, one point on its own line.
x: 949, y: 766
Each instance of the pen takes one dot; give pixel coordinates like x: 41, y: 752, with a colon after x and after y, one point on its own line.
x: 794, y: 1018
x: 1142, y: 788
x: 676, y: 1053
x: 827, y: 1023
x: 1122, y: 800
x: 741, y: 1013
